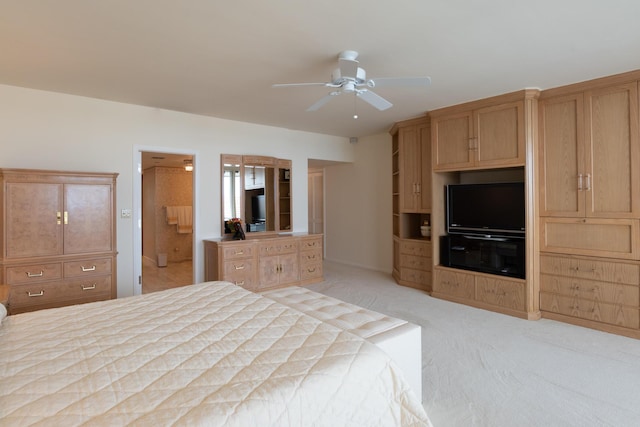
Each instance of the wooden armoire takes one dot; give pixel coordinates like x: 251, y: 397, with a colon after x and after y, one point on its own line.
x: 58, y: 236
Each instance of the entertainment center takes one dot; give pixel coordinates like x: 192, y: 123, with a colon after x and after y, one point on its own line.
x: 532, y: 200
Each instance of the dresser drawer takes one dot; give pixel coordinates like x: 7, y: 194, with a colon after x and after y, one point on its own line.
x: 277, y: 247
x: 614, y: 314
x: 411, y: 247
x: 312, y: 257
x: 311, y: 243
x: 454, y: 283
x: 420, y: 277
x: 501, y: 292
x: 591, y: 289
x: 592, y: 269
x: 87, y: 267
x: 311, y: 271
x: 240, y: 272
x: 56, y: 294
x: 237, y: 251
x: 34, y: 273
x: 416, y: 262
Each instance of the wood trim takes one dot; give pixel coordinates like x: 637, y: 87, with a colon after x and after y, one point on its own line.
x: 597, y: 83
x: 484, y: 103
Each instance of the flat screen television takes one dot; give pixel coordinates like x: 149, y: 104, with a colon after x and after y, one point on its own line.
x: 488, y: 210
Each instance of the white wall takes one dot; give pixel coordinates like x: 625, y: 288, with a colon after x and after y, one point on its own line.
x: 46, y: 130
x: 358, y: 207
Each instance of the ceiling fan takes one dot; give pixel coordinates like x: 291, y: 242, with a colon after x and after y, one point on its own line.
x: 350, y: 79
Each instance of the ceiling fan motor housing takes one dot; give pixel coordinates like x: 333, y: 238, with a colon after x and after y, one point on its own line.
x: 338, y: 79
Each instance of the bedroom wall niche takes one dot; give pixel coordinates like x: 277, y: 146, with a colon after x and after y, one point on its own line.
x: 167, y: 215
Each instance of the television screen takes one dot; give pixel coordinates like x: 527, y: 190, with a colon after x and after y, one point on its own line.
x: 496, y: 209
x: 258, y: 208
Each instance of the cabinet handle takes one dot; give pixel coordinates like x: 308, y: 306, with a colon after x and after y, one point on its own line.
x: 579, y: 182
x: 39, y: 294
x: 66, y: 217
x: 418, y: 186
x: 29, y: 274
x: 238, y: 267
x: 58, y: 217
x: 88, y: 287
x: 92, y: 268
x: 588, y: 179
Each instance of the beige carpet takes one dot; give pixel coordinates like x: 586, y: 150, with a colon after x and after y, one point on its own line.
x: 486, y: 369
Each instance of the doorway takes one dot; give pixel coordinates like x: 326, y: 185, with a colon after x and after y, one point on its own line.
x: 163, y: 253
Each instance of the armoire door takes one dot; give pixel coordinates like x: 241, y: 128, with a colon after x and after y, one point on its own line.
x: 87, y: 218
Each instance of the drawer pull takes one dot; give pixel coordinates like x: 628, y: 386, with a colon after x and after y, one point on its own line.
x: 239, y: 267
x: 240, y: 252
x: 29, y: 274
x: 92, y: 268
x: 311, y: 270
x: 39, y: 294
x: 241, y: 283
x: 88, y: 287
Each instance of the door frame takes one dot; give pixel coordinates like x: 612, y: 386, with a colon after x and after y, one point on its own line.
x: 137, y: 209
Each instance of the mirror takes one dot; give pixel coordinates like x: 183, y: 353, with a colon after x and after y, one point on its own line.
x: 256, y: 189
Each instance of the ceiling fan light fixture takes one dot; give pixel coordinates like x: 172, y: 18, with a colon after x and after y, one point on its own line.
x: 188, y: 165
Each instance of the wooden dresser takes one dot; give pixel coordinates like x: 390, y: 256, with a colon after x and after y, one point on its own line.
x: 58, y: 237
x: 267, y: 262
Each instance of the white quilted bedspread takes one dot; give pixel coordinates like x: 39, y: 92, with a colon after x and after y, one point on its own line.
x: 208, y: 354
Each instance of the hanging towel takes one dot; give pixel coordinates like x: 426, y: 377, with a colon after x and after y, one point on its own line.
x: 184, y: 219
x: 172, y: 214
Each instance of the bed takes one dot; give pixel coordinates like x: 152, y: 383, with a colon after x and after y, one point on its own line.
x: 205, y: 354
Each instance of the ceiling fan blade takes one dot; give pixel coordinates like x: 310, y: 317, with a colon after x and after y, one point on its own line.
x: 400, y: 81
x: 322, y: 101
x: 374, y: 99
x: 298, y: 84
x: 348, y: 67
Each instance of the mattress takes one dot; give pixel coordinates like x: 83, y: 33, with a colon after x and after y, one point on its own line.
x: 398, y: 338
x: 206, y: 354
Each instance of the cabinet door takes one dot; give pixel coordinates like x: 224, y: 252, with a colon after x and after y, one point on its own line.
x: 289, y: 269
x: 268, y: 272
x: 451, y: 137
x: 34, y: 219
x: 612, y: 148
x: 409, y: 158
x: 88, y: 218
x: 499, y: 135
x: 424, y: 169
x: 561, y: 156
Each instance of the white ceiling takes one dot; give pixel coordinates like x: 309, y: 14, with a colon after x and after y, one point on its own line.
x: 220, y: 58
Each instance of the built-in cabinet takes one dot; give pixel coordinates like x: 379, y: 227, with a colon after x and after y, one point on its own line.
x: 411, y: 175
x: 473, y: 136
x: 58, y: 238
x: 490, y: 140
x: 590, y: 204
x: 267, y: 262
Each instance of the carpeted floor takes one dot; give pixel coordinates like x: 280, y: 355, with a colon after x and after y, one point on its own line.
x: 486, y: 369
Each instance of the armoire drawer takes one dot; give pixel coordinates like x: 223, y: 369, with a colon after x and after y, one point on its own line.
x: 87, y: 267
x: 311, y: 271
x: 34, y: 273
x: 240, y: 272
x: 59, y: 293
x: 277, y: 247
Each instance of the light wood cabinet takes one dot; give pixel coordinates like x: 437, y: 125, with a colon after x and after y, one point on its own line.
x: 415, y: 168
x: 278, y: 263
x: 593, y: 292
x: 480, y: 135
x: 412, y: 194
x: 590, y: 153
x: 496, y: 293
x: 265, y: 263
x: 59, y: 239
x: 590, y: 171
